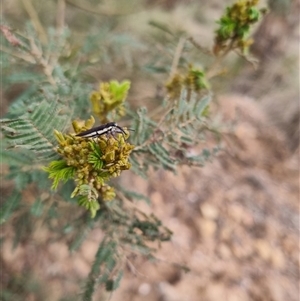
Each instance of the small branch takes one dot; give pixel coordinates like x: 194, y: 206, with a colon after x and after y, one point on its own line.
x: 35, y: 20
x: 60, y: 16
x: 199, y: 47
x: 149, y: 140
x: 38, y: 56
x: 133, y: 269
x: 170, y: 131
x: 17, y: 54
x: 34, y: 58
x: 210, y: 73
x: 177, y: 56
x: 92, y: 10
x: 252, y: 60
x: 60, y: 24
x: 10, y: 37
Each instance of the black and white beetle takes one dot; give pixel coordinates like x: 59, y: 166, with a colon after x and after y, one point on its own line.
x: 109, y: 129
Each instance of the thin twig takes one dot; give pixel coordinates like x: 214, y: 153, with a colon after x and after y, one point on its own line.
x: 149, y: 140
x: 10, y: 36
x: 60, y: 16
x: 60, y: 24
x: 210, y: 73
x: 177, y: 55
x: 252, y: 60
x: 38, y: 56
x: 92, y: 10
x: 199, y: 47
x: 17, y: 54
x: 35, y: 20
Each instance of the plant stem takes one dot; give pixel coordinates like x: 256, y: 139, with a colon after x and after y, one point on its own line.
x: 35, y: 20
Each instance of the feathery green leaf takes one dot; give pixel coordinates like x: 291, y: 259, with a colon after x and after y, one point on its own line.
x: 59, y: 171
x: 34, y: 130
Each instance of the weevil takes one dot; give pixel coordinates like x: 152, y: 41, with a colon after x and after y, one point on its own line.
x: 109, y: 129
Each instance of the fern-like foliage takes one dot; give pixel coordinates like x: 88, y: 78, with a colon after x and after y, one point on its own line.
x: 34, y: 129
x: 15, y: 158
x: 59, y: 171
x: 166, y: 143
x: 88, y: 198
x: 105, y: 269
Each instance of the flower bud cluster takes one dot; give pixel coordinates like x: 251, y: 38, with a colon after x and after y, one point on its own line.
x: 235, y: 25
x: 109, y: 100
x: 193, y: 80
x: 96, y: 160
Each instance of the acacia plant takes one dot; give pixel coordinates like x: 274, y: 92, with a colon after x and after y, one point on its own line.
x: 43, y: 152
